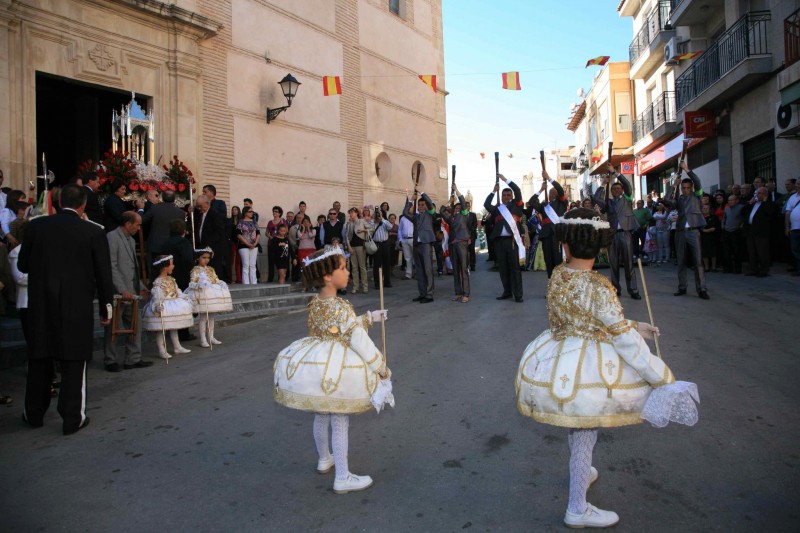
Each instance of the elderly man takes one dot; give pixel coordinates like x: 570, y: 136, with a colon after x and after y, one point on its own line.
x: 732, y: 223
x: 159, y: 217
x: 759, y: 215
x: 209, y: 230
x: 791, y: 213
x: 126, y: 278
x: 92, y: 184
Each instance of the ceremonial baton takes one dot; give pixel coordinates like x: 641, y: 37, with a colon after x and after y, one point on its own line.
x: 415, y: 176
x: 608, y: 185
x: 541, y: 159
x: 383, y: 322
x: 649, y: 309
x: 191, y: 213
x: 497, y: 175
x: 163, y: 334
x: 677, y: 183
x: 453, y: 192
x: 208, y: 323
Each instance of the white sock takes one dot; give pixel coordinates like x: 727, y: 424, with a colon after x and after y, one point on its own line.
x: 173, y: 335
x: 322, y: 424
x: 162, y: 348
x: 581, y: 444
x: 211, y: 327
x: 340, y: 425
x: 202, y: 329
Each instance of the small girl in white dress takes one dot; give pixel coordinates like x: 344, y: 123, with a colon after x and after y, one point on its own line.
x: 208, y: 295
x: 168, y: 309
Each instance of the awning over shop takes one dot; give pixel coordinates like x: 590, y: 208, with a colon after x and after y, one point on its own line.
x: 790, y: 94
x: 664, y: 154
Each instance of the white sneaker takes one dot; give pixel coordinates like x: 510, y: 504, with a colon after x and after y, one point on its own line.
x: 353, y: 483
x: 593, y: 476
x: 181, y: 349
x: 215, y: 341
x: 324, y: 465
x: 593, y: 517
x: 165, y: 355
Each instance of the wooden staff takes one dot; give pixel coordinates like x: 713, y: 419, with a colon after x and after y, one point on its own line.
x: 208, y: 323
x: 142, y: 270
x: 415, y: 177
x: 383, y: 322
x: 497, y: 175
x: 677, y: 183
x: 164, y: 335
x: 541, y: 159
x: 649, y: 309
x: 191, y: 213
x: 453, y: 192
x: 608, y: 185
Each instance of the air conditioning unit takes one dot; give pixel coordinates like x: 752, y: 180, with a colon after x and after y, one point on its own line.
x: 671, y: 52
x: 787, y: 120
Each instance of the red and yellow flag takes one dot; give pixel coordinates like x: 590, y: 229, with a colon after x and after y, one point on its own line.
x: 688, y: 55
x: 599, y: 61
x: 511, y: 81
x: 331, y: 85
x: 429, y: 80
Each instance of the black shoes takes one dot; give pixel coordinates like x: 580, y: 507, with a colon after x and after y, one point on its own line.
x: 703, y: 295
x: 503, y: 297
x: 138, y: 364
x: 518, y: 300
x: 113, y: 367
x: 417, y: 299
x: 680, y: 292
x: 425, y: 300
x: 36, y: 424
x: 636, y: 296
x: 77, y: 429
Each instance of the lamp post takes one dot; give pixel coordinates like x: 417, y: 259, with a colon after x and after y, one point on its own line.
x: 289, y: 86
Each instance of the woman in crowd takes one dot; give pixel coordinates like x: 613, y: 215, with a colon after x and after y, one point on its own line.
x: 272, y: 232
x: 356, y: 231
x: 236, y: 264
x: 247, y: 234
x: 709, y: 239
x: 663, y: 223
x: 305, y: 246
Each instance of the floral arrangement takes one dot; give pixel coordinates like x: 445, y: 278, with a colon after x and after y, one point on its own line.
x: 178, y: 176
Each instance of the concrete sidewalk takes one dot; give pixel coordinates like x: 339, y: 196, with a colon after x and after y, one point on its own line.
x: 200, y: 445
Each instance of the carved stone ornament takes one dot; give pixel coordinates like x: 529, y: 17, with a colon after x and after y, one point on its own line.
x: 101, y: 57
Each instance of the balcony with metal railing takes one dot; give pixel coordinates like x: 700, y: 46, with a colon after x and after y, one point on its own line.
x: 657, y: 121
x: 693, y: 12
x: 646, y: 49
x: 731, y: 66
x: 791, y: 39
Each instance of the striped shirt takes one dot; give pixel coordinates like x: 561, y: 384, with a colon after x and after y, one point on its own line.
x: 382, y: 231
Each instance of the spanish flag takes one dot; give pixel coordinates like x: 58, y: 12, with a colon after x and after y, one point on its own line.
x: 688, y: 55
x: 599, y: 61
x: 511, y: 81
x: 331, y: 85
x: 429, y: 80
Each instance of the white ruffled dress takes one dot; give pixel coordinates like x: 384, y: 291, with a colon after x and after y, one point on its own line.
x: 207, y: 292
x: 592, y: 368
x: 168, y: 306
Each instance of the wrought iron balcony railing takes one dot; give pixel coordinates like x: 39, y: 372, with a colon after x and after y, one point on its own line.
x: 656, y: 22
x: 675, y: 4
x: 658, y: 113
x: 791, y: 38
x: 746, y: 38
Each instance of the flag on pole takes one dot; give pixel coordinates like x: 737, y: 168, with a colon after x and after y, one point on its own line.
x: 429, y: 80
x: 511, y: 81
x: 599, y: 61
x: 331, y: 85
x: 688, y: 55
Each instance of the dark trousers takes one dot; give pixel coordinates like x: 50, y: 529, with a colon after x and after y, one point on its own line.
x: 460, y: 259
x: 732, y: 251
x: 424, y: 268
x: 71, y: 398
x: 471, y: 250
x: 272, y: 257
x: 688, y: 242
x: 794, y: 242
x: 437, y: 248
x: 758, y: 254
x: 505, y: 248
x: 552, y: 254
x: 382, y: 259
x: 619, y: 255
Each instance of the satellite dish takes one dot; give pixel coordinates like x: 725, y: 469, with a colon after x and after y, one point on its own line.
x: 573, y: 106
x: 581, y: 94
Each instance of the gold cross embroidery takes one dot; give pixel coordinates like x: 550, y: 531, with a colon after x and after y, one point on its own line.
x: 610, y: 366
x: 564, y: 379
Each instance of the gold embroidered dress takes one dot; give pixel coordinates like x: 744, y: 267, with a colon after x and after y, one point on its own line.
x: 334, y: 369
x: 591, y: 368
x: 167, y: 299
x: 207, y: 292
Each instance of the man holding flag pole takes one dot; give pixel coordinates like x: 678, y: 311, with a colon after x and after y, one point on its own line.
x: 507, y: 237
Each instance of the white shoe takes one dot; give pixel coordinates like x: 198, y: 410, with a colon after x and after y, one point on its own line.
x: 165, y: 355
x: 351, y: 484
x: 204, y: 344
x: 593, y: 476
x: 215, y: 341
x: 181, y: 349
x: 324, y: 465
x: 593, y: 517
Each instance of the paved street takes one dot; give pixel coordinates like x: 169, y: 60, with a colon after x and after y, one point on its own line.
x: 200, y: 445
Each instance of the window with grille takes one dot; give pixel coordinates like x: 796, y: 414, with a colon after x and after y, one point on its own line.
x: 759, y: 157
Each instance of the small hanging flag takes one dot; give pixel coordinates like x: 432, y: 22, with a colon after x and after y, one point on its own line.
x: 331, y: 85
x: 511, y: 81
x: 429, y: 80
x: 599, y: 61
x: 597, y: 155
x: 688, y: 55
x: 483, y: 155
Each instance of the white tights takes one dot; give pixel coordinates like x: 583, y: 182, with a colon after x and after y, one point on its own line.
x: 173, y: 336
x: 206, y: 326
x: 340, y: 425
x: 581, y: 444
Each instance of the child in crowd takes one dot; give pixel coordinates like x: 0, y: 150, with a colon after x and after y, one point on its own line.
x: 282, y: 252
x: 168, y: 309
x: 337, y: 370
x: 208, y: 295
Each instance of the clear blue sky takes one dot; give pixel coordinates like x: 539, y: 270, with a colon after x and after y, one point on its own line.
x: 549, y: 42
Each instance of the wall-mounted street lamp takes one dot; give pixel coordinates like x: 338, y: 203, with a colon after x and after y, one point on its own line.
x: 289, y: 86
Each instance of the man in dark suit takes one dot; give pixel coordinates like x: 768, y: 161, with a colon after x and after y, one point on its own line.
x: 223, y: 255
x: 210, y: 231
x: 759, y: 217
x: 472, y: 229
x: 158, y: 218
x: 114, y: 206
x: 555, y: 205
x: 687, y: 230
x: 424, y: 237
x: 507, y: 238
x: 92, y: 184
x: 67, y: 261
x: 621, y: 218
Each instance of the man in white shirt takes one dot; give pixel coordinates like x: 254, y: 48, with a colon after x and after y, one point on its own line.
x: 791, y: 212
x: 406, y: 236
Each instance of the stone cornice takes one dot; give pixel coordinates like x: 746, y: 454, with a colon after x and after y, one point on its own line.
x: 202, y: 26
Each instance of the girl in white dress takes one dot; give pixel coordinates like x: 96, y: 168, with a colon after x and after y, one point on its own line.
x: 168, y: 309
x: 592, y: 368
x: 337, y: 370
x: 208, y: 295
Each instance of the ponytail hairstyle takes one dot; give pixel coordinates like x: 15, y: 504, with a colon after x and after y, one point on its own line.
x: 584, y: 232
